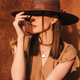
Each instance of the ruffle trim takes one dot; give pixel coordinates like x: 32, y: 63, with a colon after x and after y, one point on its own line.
x: 13, y: 43
x: 76, y: 64
x: 69, y: 54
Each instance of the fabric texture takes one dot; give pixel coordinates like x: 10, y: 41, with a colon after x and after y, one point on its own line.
x: 41, y: 73
x: 53, y: 2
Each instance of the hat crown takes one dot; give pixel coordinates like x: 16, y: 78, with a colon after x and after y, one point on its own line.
x: 52, y: 2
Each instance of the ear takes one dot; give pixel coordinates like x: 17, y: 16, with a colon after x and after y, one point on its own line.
x: 54, y: 19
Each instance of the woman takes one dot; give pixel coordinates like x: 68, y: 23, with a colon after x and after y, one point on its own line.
x: 47, y: 55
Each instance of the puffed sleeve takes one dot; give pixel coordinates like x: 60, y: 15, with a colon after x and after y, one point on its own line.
x: 13, y: 44
x: 69, y: 53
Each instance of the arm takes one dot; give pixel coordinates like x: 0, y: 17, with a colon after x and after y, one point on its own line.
x: 18, y: 69
x: 60, y: 71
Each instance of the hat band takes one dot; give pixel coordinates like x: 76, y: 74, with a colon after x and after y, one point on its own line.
x: 45, y: 7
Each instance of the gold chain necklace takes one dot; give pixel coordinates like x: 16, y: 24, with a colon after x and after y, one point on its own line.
x: 40, y: 42
x: 50, y: 44
x: 43, y: 51
x: 43, y: 55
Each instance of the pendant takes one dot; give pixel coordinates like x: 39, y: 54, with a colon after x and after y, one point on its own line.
x: 43, y: 56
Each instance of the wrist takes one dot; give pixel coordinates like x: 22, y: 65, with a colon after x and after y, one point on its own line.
x: 20, y: 38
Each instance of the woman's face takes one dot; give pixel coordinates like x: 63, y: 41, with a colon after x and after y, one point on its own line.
x: 36, y: 22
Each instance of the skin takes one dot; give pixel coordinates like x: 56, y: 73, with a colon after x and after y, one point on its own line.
x: 18, y: 69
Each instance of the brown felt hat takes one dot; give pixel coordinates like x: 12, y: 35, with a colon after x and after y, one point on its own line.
x: 44, y: 7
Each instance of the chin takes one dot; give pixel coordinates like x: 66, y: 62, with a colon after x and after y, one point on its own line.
x: 36, y: 31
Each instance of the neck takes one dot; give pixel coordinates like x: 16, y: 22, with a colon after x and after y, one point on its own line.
x: 47, y: 36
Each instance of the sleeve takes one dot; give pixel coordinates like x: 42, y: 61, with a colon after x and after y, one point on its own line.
x: 69, y: 54
x: 13, y: 43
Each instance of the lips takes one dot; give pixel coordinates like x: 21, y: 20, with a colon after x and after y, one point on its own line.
x: 33, y: 26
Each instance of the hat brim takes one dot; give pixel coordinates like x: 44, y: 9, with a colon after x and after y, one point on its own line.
x: 66, y: 18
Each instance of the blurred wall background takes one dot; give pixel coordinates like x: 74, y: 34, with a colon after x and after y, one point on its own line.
x: 7, y: 32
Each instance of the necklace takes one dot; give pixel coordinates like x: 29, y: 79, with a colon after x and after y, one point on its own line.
x: 46, y: 44
x: 40, y: 42
x: 45, y: 52
x: 50, y: 44
x: 43, y: 55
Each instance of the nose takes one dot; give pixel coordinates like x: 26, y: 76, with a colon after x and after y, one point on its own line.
x: 32, y: 19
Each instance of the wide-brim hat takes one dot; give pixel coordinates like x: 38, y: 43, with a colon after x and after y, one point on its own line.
x: 44, y: 7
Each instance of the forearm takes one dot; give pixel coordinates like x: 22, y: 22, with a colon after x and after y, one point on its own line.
x: 18, y: 70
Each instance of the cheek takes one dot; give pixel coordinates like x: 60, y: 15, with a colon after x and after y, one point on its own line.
x: 38, y: 22
x: 46, y: 23
x: 38, y: 29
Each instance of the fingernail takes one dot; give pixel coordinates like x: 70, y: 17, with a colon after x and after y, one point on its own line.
x: 28, y: 15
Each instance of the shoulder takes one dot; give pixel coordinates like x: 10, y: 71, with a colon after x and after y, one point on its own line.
x: 69, y: 48
x: 69, y: 52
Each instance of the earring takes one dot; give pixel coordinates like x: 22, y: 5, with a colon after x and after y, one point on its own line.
x: 52, y: 22
x: 56, y: 30
x: 56, y: 25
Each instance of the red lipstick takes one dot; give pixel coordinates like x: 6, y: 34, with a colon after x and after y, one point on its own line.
x: 33, y: 26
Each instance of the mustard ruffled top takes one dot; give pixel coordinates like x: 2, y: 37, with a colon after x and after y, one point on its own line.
x: 41, y: 73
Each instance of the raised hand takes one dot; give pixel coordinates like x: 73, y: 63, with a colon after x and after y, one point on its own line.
x: 19, y: 24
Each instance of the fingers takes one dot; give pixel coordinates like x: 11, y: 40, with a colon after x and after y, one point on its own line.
x: 20, y: 13
x: 21, y: 16
x: 19, y: 20
x: 63, y: 10
x: 19, y: 23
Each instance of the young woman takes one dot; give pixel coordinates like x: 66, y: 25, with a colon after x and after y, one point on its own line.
x: 47, y: 56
